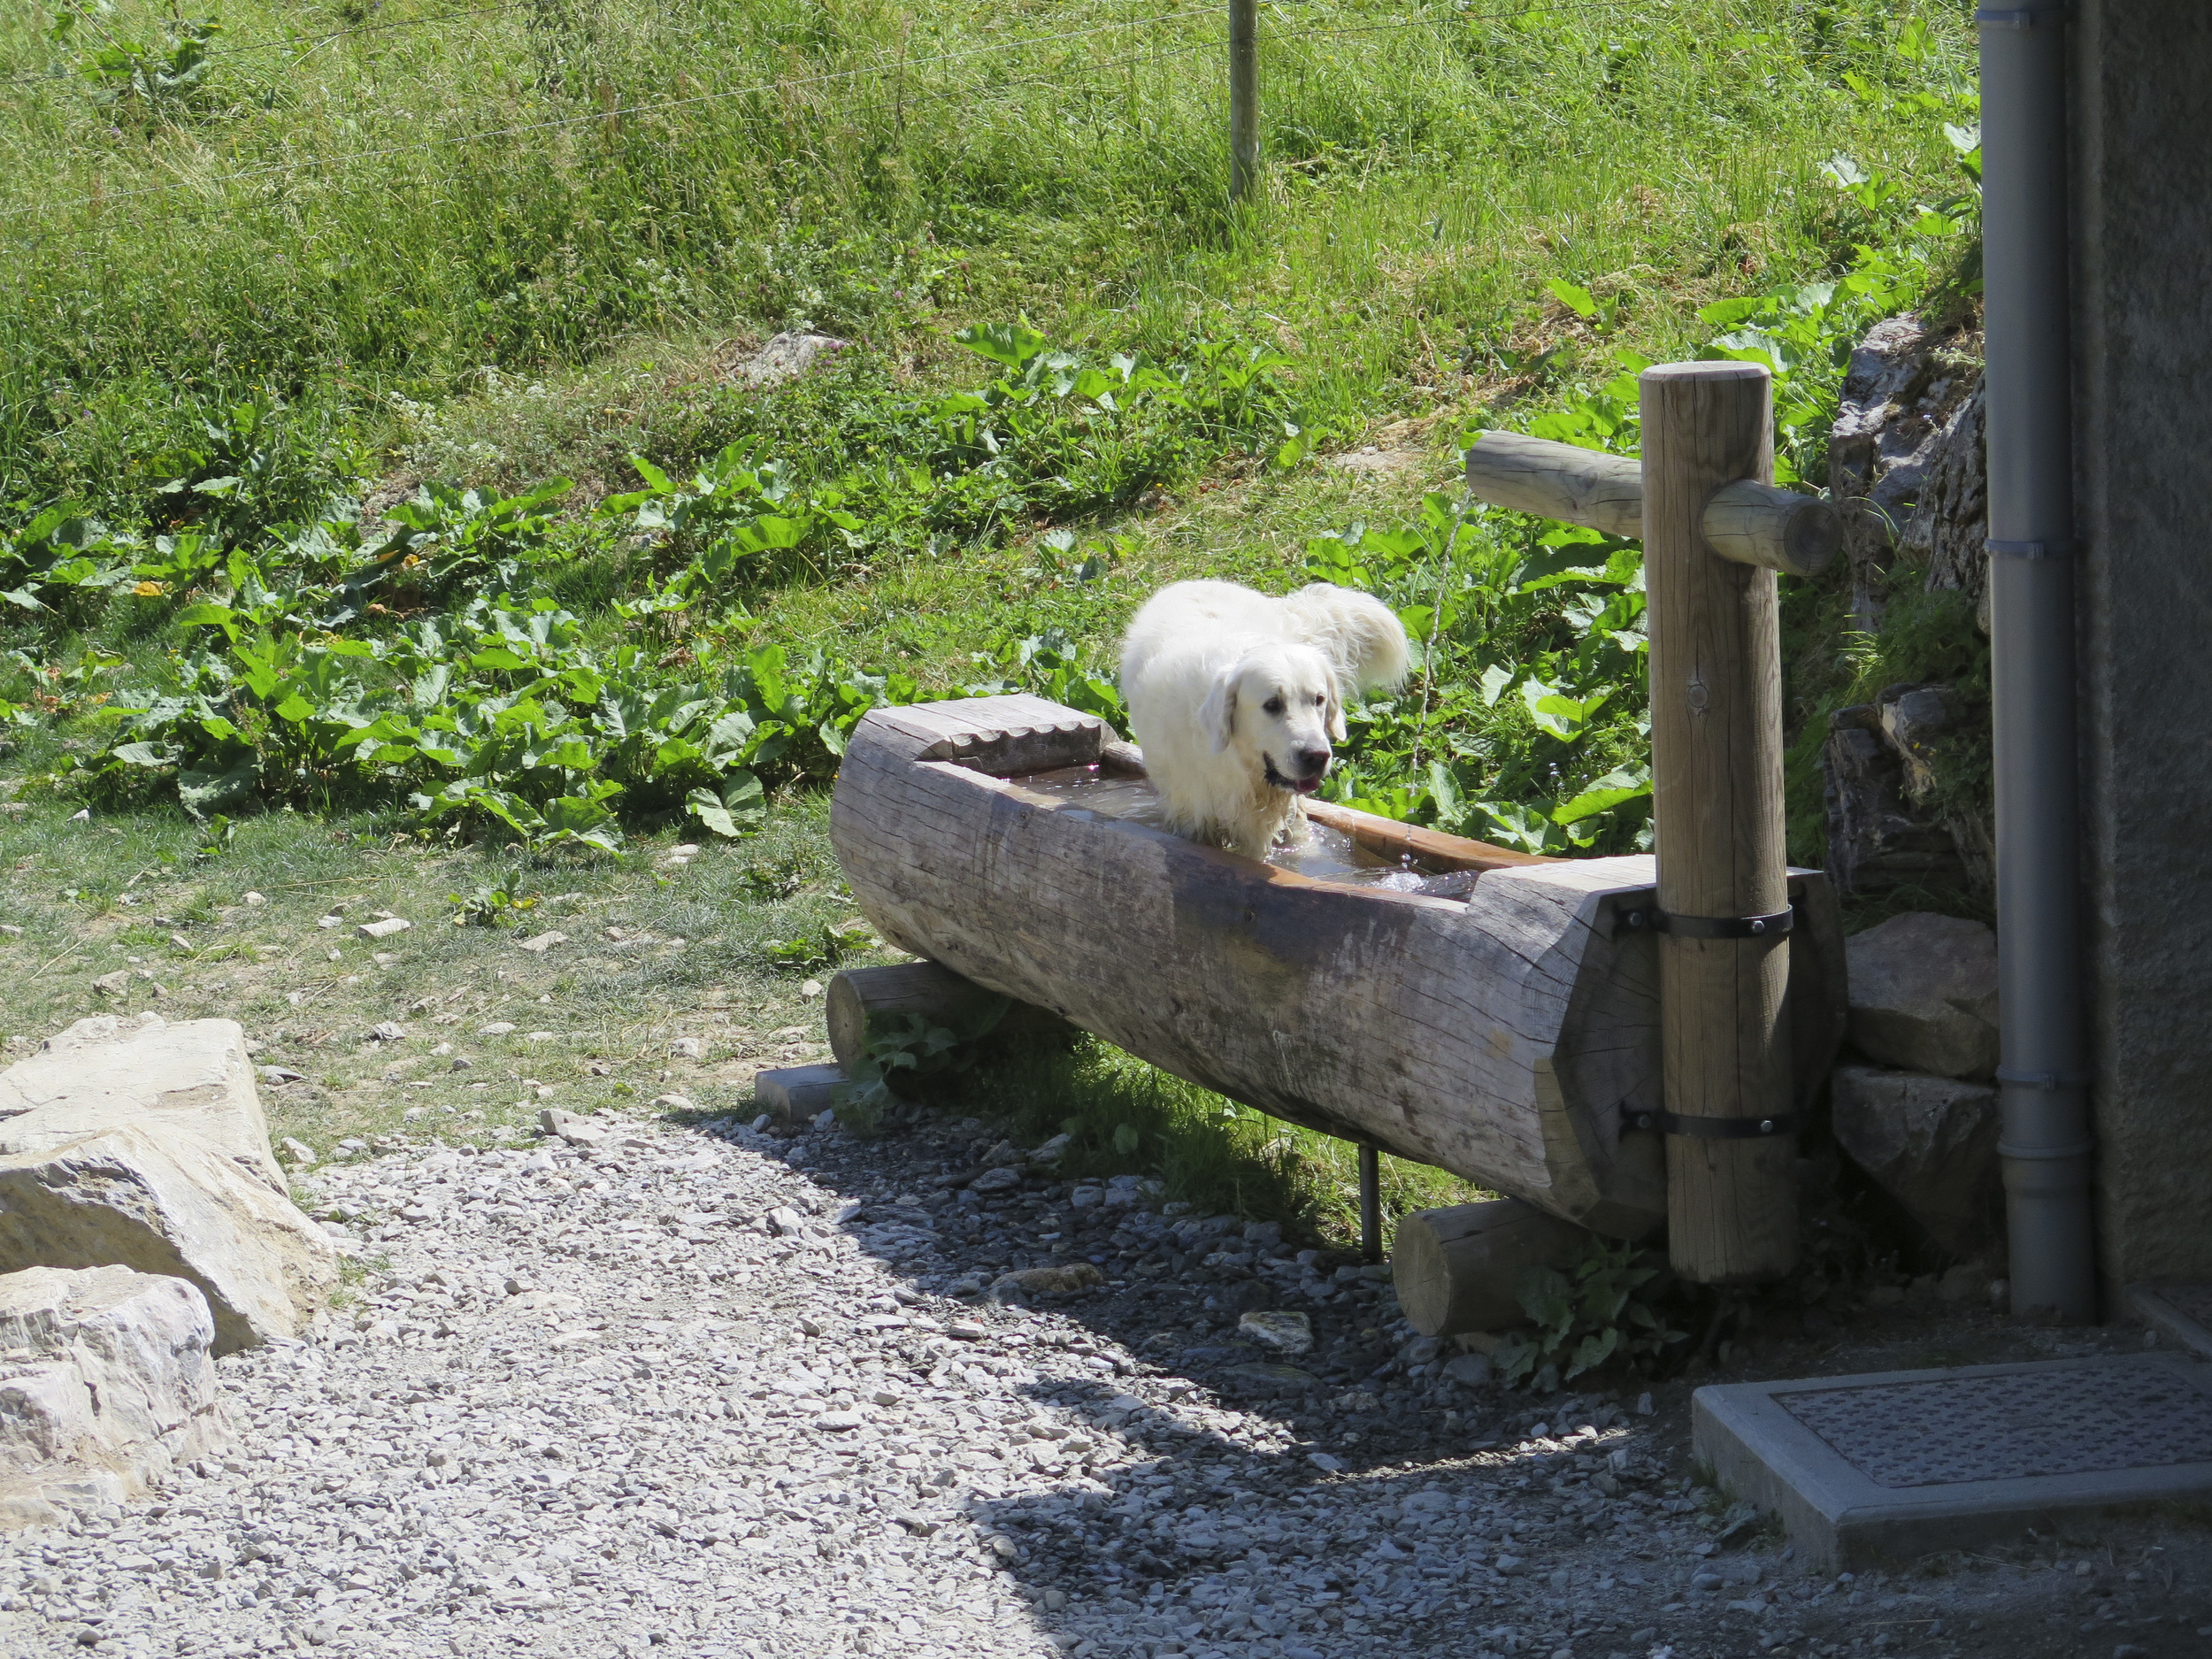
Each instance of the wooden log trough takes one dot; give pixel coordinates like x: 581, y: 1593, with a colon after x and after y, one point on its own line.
x: 1510, y: 1033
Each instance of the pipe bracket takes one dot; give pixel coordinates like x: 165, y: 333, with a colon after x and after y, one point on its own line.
x: 1710, y: 1128
x: 1659, y: 921
x: 2042, y: 1079
x: 2054, y: 550
x: 2046, y: 1155
x: 2021, y: 17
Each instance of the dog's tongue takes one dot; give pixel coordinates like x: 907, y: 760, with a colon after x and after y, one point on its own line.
x: 1307, y: 786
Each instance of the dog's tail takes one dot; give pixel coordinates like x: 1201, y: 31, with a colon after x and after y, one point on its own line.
x: 1362, y: 639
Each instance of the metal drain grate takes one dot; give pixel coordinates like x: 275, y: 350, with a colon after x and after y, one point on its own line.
x: 1958, y: 1429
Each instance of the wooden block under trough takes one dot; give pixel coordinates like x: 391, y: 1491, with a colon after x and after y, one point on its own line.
x: 792, y: 1094
x: 932, y: 991
x: 1456, y: 1268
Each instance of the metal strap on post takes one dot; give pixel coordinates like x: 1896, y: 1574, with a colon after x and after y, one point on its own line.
x: 2029, y: 549
x: 1659, y: 921
x: 1711, y: 1128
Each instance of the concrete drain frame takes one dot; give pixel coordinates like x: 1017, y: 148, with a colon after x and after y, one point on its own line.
x: 1880, y: 1468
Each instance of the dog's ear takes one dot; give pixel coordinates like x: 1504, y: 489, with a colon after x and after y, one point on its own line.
x: 1218, y: 715
x: 1335, y: 711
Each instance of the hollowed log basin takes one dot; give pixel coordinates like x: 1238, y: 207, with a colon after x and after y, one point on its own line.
x: 1506, y: 1031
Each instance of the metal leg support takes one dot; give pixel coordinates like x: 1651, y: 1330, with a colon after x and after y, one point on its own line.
x: 1370, y: 1247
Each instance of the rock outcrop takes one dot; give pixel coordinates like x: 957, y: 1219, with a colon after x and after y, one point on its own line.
x: 1924, y: 994
x: 143, y: 1145
x: 789, y: 356
x: 107, y: 1381
x: 1906, y: 465
x: 1878, y: 838
x: 1905, y: 457
x: 1931, y: 1142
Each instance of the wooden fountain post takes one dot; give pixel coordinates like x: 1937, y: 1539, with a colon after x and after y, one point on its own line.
x: 1716, y: 806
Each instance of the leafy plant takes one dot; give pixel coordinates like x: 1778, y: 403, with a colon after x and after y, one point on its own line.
x: 500, y: 903
x: 447, y: 537
x: 60, y: 561
x: 217, y: 836
x: 247, y: 470
x: 770, y: 880
x: 1600, y: 1310
x: 825, y: 947
x: 906, y: 1056
x: 146, y: 83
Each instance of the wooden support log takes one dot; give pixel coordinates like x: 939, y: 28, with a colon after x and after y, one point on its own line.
x: 1456, y: 1268
x: 1511, y: 1038
x: 1716, y: 679
x: 1744, y: 520
x: 1496, y: 1037
x: 937, y: 994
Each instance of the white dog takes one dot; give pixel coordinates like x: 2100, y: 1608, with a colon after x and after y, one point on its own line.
x: 1234, y: 698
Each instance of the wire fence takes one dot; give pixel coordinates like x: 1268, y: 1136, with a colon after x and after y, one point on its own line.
x: 66, y: 73
x: 245, y: 49
x: 651, y: 106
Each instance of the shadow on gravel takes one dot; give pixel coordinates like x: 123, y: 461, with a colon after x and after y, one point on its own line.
x: 1206, y: 1540
x: 1319, y: 1502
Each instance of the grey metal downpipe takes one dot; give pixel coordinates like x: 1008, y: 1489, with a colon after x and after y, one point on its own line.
x: 2046, y: 1144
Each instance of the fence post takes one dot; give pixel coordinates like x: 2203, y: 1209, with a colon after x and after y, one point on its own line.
x: 1244, y: 99
x: 1717, y: 806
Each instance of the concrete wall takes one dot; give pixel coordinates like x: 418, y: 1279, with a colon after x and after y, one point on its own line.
x: 2143, y: 392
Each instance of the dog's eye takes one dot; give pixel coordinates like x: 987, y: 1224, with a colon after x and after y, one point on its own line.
x: 1273, y: 705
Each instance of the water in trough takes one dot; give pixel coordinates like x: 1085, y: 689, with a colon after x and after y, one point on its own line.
x: 1326, y: 854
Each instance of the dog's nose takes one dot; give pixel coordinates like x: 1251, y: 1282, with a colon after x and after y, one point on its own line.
x: 1314, y: 761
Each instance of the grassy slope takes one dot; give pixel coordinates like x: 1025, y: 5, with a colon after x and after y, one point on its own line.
x: 555, y: 300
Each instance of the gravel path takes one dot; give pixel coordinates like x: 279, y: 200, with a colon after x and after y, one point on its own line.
x: 669, y: 1391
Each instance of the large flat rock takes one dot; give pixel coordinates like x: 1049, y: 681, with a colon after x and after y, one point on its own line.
x: 107, y: 1381
x: 195, y: 1077
x: 1929, y: 1143
x: 1924, y: 994
x: 143, y: 1145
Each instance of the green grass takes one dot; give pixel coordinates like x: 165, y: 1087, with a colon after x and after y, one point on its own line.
x: 382, y: 212
x: 425, y: 241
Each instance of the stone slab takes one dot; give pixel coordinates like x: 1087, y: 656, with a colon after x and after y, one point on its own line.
x: 142, y: 1144
x: 107, y: 1381
x: 2182, y: 1312
x: 794, y: 1092
x: 1880, y: 1469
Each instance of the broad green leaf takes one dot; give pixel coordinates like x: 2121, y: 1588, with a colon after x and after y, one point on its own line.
x: 1013, y: 344
x: 203, y: 790
x: 1614, y: 789
x: 1575, y: 299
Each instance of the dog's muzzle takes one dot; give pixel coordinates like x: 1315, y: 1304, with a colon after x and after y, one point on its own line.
x: 1296, y: 786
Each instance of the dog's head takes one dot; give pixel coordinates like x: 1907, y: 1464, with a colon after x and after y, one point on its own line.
x: 1277, y: 707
